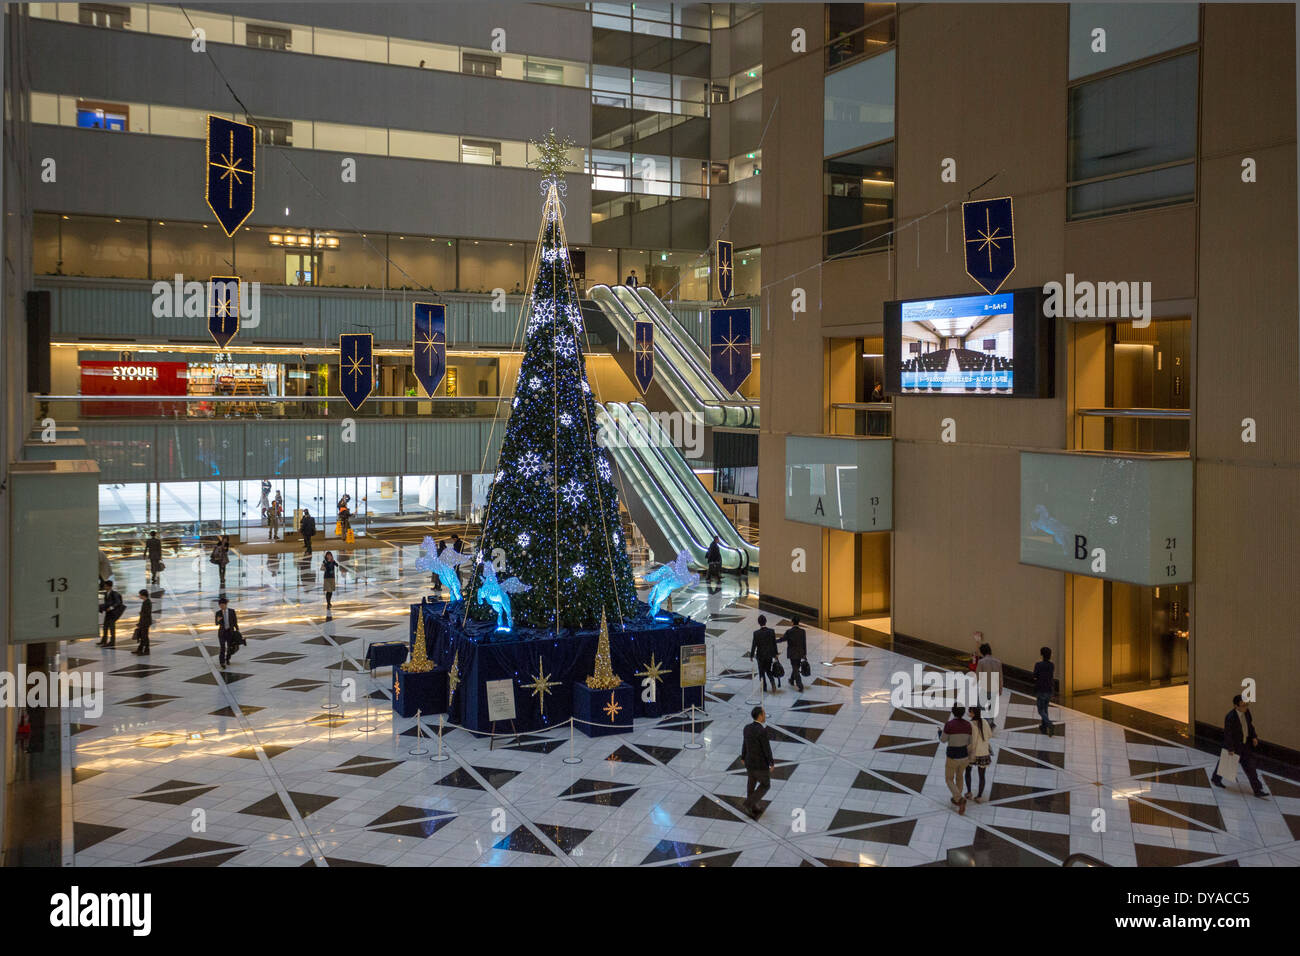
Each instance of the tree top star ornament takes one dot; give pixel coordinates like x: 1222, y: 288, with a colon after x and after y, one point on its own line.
x: 552, y: 159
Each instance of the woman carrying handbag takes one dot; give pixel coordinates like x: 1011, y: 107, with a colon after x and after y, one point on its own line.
x: 981, y: 753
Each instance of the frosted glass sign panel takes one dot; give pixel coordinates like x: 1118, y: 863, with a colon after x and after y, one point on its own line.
x: 842, y: 483
x: 1122, y: 519
x: 859, y: 105
x: 54, y: 534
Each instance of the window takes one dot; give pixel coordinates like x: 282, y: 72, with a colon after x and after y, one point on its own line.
x: 855, y: 30
x: 858, y: 197
x: 480, y: 64
x: 481, y: 152
x: 111, y: 116
x: 103, y: 15
x: 268, y: 38
x: 1133, y: 139
x: 1132, y: 32
x: 274, y: 132
x: 859, y: 107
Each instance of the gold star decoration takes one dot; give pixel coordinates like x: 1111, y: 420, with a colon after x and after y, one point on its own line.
x: 542, y: 684
x: 453, y: 678
x: 988, y: 238
x: 654, y: 670
x: 354, y: 366
x: 730, y: 346
x: 430, y: 341
x: 612, y: 708
x: 552, y: 155
x: 230, y: 170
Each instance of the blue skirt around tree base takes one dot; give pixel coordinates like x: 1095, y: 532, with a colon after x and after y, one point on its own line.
x: 423, y: 691
x: 599, y: 713
x: 545, y: 667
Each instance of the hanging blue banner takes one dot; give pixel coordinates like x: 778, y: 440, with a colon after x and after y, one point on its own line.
x: 988, y: 228
x: 223, y: 309
x: 726, y: 277
x: 429, y: 344
x: 644, y: 355
x: 231, y: 166
x: 356, y: 367
x: 730, y: 346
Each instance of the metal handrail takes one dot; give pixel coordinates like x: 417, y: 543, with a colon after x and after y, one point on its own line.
x: 1177, y: 414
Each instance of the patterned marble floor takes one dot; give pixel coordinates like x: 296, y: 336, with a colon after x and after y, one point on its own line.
x: 277, y: 778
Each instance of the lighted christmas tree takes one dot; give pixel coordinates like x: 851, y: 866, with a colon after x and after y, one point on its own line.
x: 419, y: 662
x: 604, y: 678
x: 553, y: 507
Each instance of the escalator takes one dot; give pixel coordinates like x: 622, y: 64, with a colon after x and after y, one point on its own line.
x: 681, y: 367
x: 674, y: 511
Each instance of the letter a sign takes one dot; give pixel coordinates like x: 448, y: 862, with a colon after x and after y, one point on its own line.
x: 230, y: 163
x: 988, y: 229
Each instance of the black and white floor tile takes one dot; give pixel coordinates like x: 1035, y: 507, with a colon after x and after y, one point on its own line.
x: 264, y: 764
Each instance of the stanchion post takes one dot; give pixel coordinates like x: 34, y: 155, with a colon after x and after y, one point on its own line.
x: 329, y: 701
x: 572, y: 758
x: 439, y: 756
x: 418, y: 751
x: 753, y: 675
x: 693, y: 745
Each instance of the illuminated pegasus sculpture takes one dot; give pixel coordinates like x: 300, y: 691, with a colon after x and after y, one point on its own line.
x: 444, y: 565
x: 497, y: 593
x: 667, y: 578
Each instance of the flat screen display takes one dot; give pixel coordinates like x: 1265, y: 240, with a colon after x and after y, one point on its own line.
x: 978, y: 345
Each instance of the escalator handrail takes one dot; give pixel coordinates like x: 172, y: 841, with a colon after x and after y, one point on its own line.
x: 668, y: 346
x: 684, y: 350
x: 677, y: 387
x: 693, y: 351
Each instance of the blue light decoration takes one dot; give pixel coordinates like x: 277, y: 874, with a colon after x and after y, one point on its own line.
x: 231, y: 169
x: 356, y: 367
x: 429, y: 345
x: 666, y: 579
x: 989, y: 234
x: 730, y: 346
x: 643, y: 354
x: 726, y: 275
x: 496, y: 594
x: 223, y: 309
x: 444, y: 565
x: 555, y: 506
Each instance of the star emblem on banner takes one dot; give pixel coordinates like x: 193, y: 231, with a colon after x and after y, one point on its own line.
x: 612, y: 708
x: 989, y: 238
x: 429, y: 343
x: 654, y: 670
x: 230, y: 169
x: 542, y: 684
x: 354, y: 367
x: 730, y: 346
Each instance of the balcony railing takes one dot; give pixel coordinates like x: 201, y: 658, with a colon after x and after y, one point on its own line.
x: 872, y: 419
x: 109, y: 409
x: 1153, y: 430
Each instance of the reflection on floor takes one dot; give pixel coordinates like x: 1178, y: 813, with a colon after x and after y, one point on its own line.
x: 880, y: 624
x: 1171, y: 702
x: 286, y: 779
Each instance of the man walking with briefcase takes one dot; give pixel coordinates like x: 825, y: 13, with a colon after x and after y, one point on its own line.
x: 1239, y: 741
x: 796, y: 651
x: 227, y: 631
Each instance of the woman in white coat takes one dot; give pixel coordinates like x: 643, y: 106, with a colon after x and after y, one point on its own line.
x: 981, y: 753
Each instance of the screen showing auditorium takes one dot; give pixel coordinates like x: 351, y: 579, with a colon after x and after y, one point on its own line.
x: 968, y: 345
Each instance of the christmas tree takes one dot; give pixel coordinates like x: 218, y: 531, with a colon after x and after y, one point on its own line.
x: 552, y: 510
x: 419, y: 662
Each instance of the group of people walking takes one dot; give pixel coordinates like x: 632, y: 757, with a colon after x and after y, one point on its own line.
x: 763, y: 649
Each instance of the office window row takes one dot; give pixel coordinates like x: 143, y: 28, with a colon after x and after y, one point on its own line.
x: 122, y: 248
x: 152, y: 119
x: 166, y: 20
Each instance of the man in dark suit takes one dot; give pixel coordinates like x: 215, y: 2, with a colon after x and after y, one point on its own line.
x: 1240, y: 738
x: 153, y: 551
x: 113, y: 608
x: 307, y: 525
x: 763, y: 649
x: 144, y: 623
x: 756, y: 752
x: 796, y: 649
x: 227, y: 621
